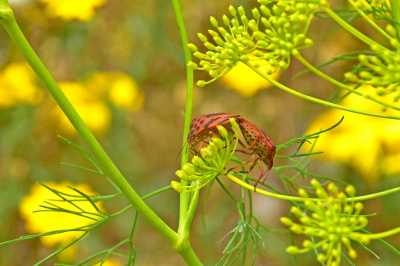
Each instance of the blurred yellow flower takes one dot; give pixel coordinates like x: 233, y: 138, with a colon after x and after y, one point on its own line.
x: 119, y: 88
x: 90, y: 97
x: 94, y: 112
x: 41, y: 222
x: 247, y: 82
x: 18, y: 86
x: 370, y: 145
x: 72, y: 9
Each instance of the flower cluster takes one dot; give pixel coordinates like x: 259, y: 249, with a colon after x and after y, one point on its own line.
x: 334, y: 220
x: 382, y: 71
x: 211, y: 160
x: 285, y: 22
x: 380, y: 9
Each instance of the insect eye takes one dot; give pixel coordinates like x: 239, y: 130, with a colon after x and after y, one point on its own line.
x: 191, y: 133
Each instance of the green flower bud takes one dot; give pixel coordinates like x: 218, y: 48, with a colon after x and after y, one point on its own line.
x: 177, y: 186
x: 218, y: 142
x: 283, y: 64
x: 286, y: 221
x: 358, y: 207
x: 192, y: 47
x: 192, y: 65
x: 259, y: 35
x: 213, y: 33
x: 202, y: 37
x: 350, y: 190
x: 241, y: 11
x: 226, y: 20
x: 222, y: 132
x: 391, y: 30
x: 214, y: 22
x: 244, y: 20
x: 352, y: 254
x: 265, y: 10
x: 213, y: 73
x: 206, y: 152
x: 189, y: 168
x: 198, y: 162
x: 308, y: 42
x: 182, y: 175
x: 201, y: 83
x: 244, y: 58
x: 199, y: 55
x: 308, y: 244
x: 267, y: 24
x: 296, y: 211
x: 277, y: 10
x: 209, y: 46
x: 292, y: 250
x: 321, y: 257
x: 314, y: 182
x: 306, y: 220
x: 375, y: 60
x: 219, y: 41
x: 256, y: 13
x: 232, y: 10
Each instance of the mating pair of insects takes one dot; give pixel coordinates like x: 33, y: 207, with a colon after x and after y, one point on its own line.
x: 261, y: 147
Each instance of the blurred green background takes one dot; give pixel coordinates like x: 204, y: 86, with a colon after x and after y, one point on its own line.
x: 121, y: 64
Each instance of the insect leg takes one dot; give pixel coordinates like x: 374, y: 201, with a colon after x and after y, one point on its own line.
x: 243, y: 164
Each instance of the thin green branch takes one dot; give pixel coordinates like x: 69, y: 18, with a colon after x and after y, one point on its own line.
x: 339, y: 84
x: 312, y: 99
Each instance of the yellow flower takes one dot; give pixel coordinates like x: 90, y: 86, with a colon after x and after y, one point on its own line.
x: 18, y: 86
x: 72, y: 9
x: 124, y: 93
x: 247, y: 82
x: 94, y: 112
x: 41, y: 222
x: 369, y: 145
x: 119, y: 88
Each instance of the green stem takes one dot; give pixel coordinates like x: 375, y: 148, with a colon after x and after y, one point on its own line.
x: 312, y: 99
x: 284, y: 197
x: 396, y: 14
x: 352, y: 30
x: 186, y: 212
x: 339, y: 84
x: 370, y: 21
x: 8, y: 21
x: 384, y: 234
x: 184, y: 197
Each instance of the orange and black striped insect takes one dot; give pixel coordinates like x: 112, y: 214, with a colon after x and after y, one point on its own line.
x: 260, y: 144
x: 205, y: 126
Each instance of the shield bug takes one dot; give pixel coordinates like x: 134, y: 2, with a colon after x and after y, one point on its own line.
x: 204, y: 126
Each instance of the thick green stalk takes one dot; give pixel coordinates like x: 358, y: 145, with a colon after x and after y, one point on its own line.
x: 8, y: 21
x: 316, y: 100
x: 186, y: 212
x: 184, y: 197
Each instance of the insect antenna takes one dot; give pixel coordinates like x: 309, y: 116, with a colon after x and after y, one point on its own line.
x: 181, y: 150
x: 265, y: 178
